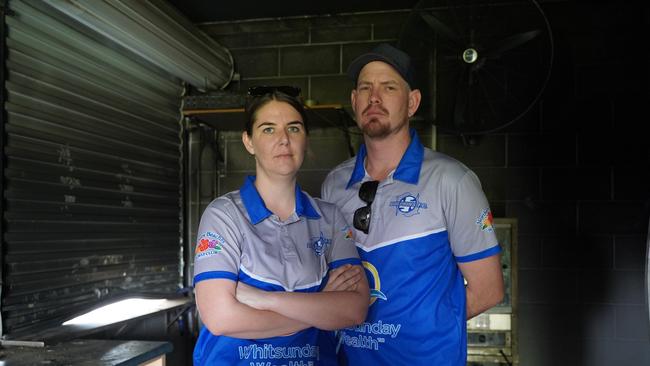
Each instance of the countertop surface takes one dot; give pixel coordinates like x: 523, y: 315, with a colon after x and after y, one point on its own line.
x: 85, y: 352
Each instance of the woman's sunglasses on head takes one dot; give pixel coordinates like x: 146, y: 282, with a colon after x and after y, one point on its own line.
x: 260, y: 90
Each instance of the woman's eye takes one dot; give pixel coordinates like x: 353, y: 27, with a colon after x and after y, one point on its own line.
x: 267, y: 130
x: 293, y: 129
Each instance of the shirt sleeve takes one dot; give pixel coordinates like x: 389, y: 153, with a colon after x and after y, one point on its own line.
x: 342, y: 250
x: 218, y: 244
x: 469, y: 220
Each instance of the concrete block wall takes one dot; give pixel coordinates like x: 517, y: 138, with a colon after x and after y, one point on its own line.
x: 309, y: 52
x: 573, y: 171
x: 587, y: 222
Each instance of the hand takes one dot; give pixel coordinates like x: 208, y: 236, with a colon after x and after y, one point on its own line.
x: 249, y: 295
x: 344, y: 278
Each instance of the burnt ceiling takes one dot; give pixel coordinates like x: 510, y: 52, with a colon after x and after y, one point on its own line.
x: 201, y: 11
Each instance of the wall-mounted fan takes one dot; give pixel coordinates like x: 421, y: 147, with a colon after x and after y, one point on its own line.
x: 481, y: 64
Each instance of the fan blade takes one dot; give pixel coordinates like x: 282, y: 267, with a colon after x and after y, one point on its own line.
x: 439, y: 27
x: 511, y: 42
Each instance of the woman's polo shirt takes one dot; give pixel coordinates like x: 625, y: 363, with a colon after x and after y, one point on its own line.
x: 241, y: 240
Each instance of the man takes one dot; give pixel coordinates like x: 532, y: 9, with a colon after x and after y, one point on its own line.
x: 423, y: 226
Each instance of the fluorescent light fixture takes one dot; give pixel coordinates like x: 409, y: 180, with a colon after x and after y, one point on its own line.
x: 120, y: 311
x: 159, y: 33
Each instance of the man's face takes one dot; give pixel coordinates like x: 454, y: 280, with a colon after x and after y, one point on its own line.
x: 383, y: 101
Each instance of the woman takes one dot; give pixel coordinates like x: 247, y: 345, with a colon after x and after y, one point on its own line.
x: 264, y: 251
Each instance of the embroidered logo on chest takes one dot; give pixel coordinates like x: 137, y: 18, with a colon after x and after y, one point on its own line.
x: 319, y: 244
x: 407, y: 204
x: 374, y: 282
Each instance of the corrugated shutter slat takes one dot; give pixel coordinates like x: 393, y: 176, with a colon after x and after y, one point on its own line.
x: 92, y: 171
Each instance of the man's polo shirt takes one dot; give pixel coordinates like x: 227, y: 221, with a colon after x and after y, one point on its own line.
x: 428, y: 215
x: 241, y: 240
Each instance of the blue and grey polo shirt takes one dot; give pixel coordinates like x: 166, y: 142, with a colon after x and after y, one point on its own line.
x: 241, y: 240
x: 428, y: 215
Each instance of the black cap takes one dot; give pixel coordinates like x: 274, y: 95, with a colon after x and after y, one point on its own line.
x: 384, y: 52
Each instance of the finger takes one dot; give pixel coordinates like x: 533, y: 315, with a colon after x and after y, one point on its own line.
x: 352, y: 272
x: 333, y: 284
x: 343, y: 276
x: 347, y: 282
x: 335, y: 276
x: 335, y: 273
x: 351, y: 282
x: 338, y: 277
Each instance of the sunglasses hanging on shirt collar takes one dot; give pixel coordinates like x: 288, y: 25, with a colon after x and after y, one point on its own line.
x: 361, y: 218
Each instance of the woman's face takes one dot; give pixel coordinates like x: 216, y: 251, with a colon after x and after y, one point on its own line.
x: 278, y: 140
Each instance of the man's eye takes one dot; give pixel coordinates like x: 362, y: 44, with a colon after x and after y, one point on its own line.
x: 267, y: 130
x: 293, y: 129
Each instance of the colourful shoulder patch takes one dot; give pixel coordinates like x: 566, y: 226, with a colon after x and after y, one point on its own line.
x: 484, y: 220
x: 347, y: 232
x: 209, y: 244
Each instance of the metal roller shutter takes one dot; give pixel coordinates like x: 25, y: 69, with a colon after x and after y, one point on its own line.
x: 92, y: 155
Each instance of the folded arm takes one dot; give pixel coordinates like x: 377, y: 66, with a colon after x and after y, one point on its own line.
x: 327, y: 310
x: 222, y: 314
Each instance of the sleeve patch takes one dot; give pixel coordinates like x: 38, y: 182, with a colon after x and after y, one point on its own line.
x: 209, y: 244
x: 484, y: 220
x: 347, y: 233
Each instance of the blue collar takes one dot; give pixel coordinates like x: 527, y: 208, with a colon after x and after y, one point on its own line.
x: 257, y: 210
x: 408, y: 169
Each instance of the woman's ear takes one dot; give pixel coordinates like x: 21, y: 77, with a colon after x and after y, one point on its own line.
x: 248, y: 144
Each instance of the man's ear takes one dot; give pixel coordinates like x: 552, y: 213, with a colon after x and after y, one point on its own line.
x: 414, y: 101
x: 248, y: 144
x: 353, y: 99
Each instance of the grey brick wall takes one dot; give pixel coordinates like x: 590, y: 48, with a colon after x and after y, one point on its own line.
x: 312, y: 53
